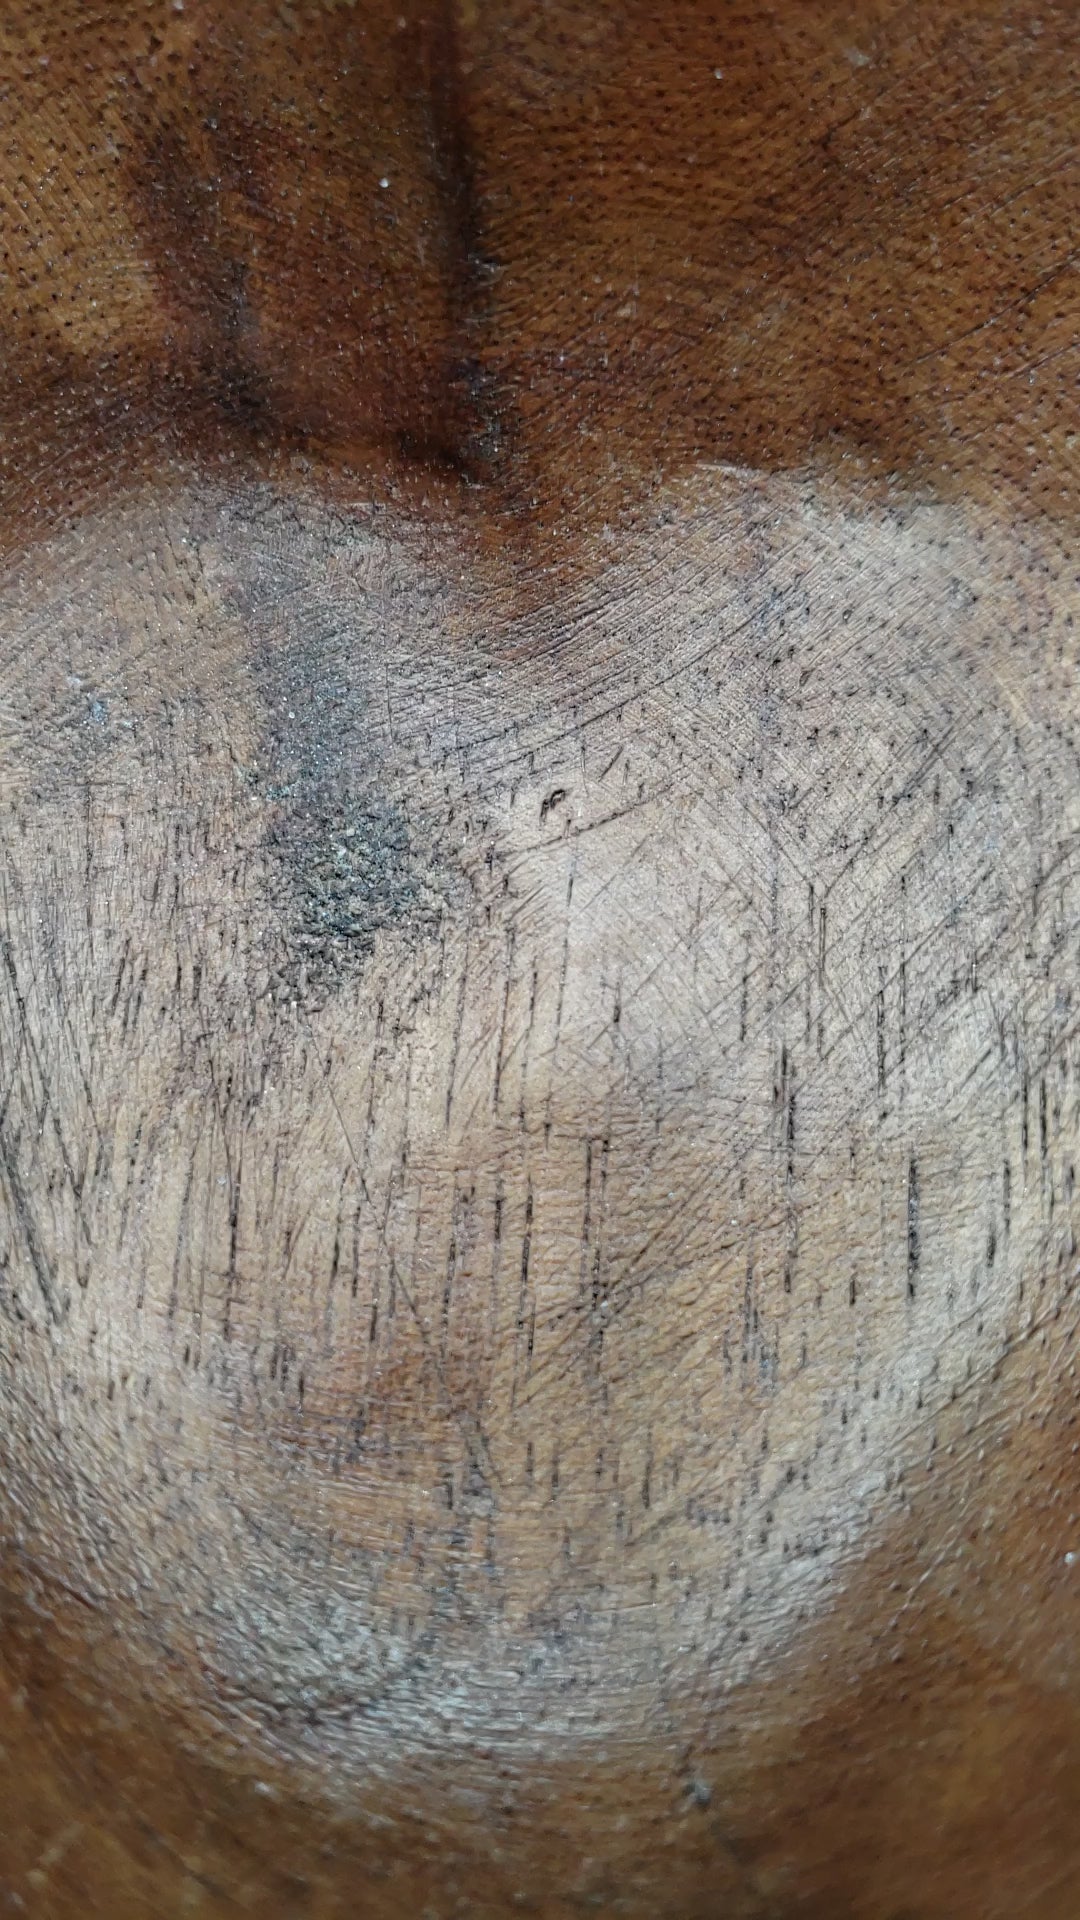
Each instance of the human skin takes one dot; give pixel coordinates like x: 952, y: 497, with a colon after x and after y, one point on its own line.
x: 539, y: 961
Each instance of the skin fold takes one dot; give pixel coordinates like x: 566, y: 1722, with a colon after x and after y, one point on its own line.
x: 539, y: 933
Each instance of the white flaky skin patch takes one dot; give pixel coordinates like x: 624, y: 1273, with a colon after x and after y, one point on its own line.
x: 490, y: 1290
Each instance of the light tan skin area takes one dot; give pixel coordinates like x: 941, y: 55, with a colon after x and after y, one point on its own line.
x: 538, y: 1064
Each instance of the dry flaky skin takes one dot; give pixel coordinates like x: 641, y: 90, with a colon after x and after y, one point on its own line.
x: 539, y: 1068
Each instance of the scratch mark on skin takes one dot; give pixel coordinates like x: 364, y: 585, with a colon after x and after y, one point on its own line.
x: 509, y: 966
x: 472, y: 1433
x: 1024, y: 298
x: 523, y: 1289
x: 22, y: 1210
x: 23, y: 1213
x: 914, y: 1229
x: 459, y: 1022
x: 27, y: 1043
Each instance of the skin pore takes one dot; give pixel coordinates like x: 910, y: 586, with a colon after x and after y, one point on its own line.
x: 537, y: 988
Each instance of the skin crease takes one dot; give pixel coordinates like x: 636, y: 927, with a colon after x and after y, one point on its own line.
x: 538, y: 1062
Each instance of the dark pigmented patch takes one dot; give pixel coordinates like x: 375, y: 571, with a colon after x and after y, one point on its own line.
x: 467, y: 430
x: 342, y: 630
x: 283, y: 323
x: 348, y: 869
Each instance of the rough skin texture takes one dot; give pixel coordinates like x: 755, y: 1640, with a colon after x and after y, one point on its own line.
x: 539, y: 960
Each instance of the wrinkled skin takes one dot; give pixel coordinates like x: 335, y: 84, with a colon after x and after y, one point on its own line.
x: 540, y: 961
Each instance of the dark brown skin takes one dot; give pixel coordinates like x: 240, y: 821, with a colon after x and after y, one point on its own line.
x: 539, y: 960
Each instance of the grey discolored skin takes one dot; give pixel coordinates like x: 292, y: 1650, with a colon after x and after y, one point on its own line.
x: 538, y: 1081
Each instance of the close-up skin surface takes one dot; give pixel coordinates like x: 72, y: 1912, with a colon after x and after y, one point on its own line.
x: 539, y: 960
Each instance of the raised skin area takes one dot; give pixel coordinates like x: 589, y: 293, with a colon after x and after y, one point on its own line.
x: 538, y: 1080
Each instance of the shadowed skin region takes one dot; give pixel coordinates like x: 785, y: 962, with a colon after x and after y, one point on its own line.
x: 538, y: 962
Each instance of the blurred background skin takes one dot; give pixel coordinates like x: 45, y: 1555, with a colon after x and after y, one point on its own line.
x: 538, y: 963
